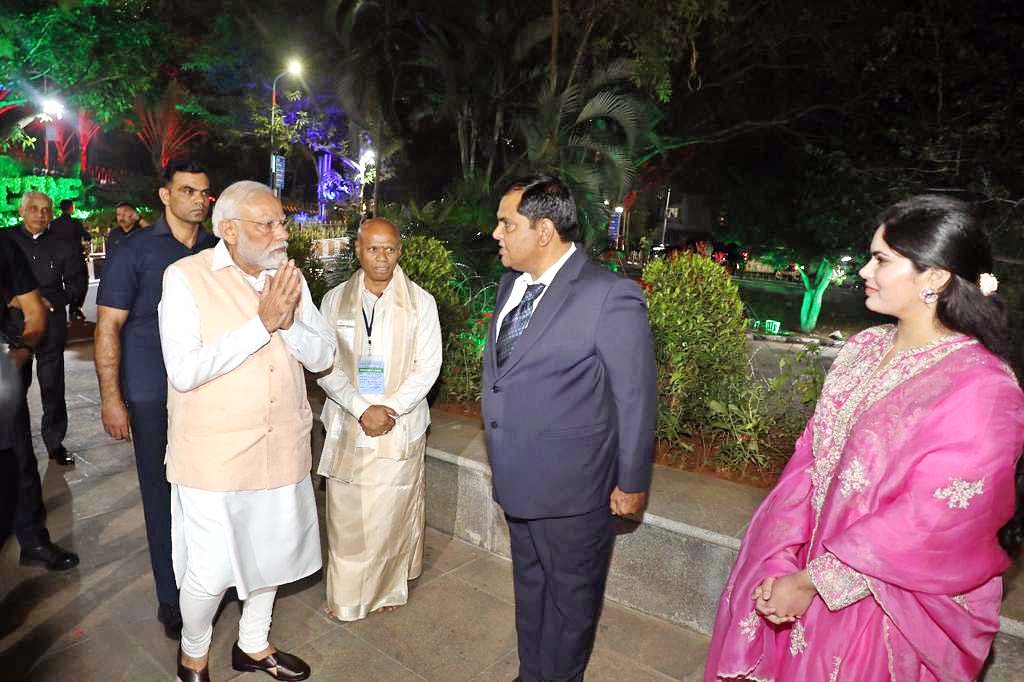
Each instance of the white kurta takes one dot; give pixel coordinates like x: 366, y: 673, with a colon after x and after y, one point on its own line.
x: 271, y: 537
x: 375, y: 521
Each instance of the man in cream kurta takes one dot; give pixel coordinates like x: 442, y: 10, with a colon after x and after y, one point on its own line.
x: 237, y: 325
x: 376, y: 416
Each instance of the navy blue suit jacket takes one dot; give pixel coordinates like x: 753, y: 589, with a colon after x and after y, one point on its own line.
x: 571, y: 414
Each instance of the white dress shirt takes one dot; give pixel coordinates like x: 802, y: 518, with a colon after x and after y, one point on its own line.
x: 524, y: 280
x: 191, y: 363
x: 409, y: 401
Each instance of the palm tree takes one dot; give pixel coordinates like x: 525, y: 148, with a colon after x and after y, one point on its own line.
x: 372, y: 34
x: 474, y: 69
x: 588, y: 133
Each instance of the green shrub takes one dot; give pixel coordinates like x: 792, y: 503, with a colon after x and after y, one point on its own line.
x: 794, y: 390
x: 300, y: 249
x: 700, y: 343
x: 462, y: 371
x: 10, y: 167
x: 744, y: 423
x: 427, y: 262
x: 463, y: 326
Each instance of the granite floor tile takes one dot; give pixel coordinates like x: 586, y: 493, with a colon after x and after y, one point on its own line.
x: 109, y: 655
x: 504, y: 670
x: 651, y: 641
x: 472, y: 629
x: 490, y: 573
x: 444, y: 553
x: 116, y: 491
x: 609, y: 666
x: 340, y: 655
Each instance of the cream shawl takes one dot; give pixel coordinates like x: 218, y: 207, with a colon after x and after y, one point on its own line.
x: 339, y: 462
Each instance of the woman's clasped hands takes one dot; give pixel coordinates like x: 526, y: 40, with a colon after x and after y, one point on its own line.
x: 784, y: 599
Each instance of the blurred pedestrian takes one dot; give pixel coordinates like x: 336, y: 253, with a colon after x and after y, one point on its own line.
x: 128, y: 222
x: 69, y: 228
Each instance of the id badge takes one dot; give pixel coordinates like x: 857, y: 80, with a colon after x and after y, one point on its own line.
x: 371, y: 375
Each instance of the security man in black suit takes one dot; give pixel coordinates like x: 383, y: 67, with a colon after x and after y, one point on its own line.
x: 60, y: 271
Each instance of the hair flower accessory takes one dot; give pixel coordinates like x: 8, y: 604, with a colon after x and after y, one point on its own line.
x: 988, y: 283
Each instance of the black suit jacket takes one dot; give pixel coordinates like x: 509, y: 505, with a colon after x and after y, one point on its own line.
x: 571, y: 414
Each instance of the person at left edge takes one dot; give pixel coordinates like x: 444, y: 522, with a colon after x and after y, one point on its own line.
x: 58, y: 267
x: 237, y: 326
x: 130, y: 366
x: 22, y: 324
x: 18, y: 292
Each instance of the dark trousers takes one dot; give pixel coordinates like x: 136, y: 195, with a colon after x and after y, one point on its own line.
x: 10, y: 398
x: 49, y: 361
x: 559, y: 568
x: 29, y: 512
x: 8, y: 493
x: 149, y: 437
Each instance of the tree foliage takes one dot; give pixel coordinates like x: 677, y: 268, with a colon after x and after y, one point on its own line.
x: 98, y: 55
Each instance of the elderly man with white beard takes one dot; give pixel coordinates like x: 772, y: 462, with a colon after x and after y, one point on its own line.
x: 237, y: 325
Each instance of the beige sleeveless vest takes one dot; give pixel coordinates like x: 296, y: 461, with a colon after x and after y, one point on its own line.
x: 247, y: 429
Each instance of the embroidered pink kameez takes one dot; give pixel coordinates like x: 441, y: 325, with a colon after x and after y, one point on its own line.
x: 892, y: 502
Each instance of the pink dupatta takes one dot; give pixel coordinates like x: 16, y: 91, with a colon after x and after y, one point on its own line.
x: 891, y: 501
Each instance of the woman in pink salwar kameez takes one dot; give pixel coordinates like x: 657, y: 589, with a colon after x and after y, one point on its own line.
x: 879, y: 553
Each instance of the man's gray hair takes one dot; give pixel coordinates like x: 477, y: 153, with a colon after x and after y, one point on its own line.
x: 233, y: 198
x: 27, y: 196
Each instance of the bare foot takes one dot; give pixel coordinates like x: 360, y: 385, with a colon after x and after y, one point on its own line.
x: 194, y: 663
x: 326, y: 608
x: 385, y: 609
x: 272, y: 671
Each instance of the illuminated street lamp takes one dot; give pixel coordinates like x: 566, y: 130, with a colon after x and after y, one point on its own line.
x: 366, y: 159
x: 294, y: 69
x: 53, y: 108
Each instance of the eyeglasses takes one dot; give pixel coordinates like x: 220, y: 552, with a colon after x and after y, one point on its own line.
x: 268, y: 226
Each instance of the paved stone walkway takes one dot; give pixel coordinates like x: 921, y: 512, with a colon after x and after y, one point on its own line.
x: 98, y: 622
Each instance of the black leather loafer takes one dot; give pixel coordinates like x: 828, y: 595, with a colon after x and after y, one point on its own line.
x: 49, y: 555
x: 190, y: 675
x: 62, y: 456
x: 284, y: 665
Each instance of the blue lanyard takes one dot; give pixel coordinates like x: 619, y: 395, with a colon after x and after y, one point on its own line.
x: 369, y: 323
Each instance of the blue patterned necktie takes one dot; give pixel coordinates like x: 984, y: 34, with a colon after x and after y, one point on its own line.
x: 515, y: 323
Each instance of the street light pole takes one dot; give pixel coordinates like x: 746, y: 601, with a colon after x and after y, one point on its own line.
x: 294, y: 68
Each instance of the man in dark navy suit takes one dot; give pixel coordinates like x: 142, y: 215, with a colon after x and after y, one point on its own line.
x: 569, y: 411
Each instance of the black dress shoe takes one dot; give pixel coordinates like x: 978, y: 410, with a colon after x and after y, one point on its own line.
x: 62, y: 456
x: 285, y: 666
x: 170, y: 617
x: 49, y: 555
x: 190, y: 675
